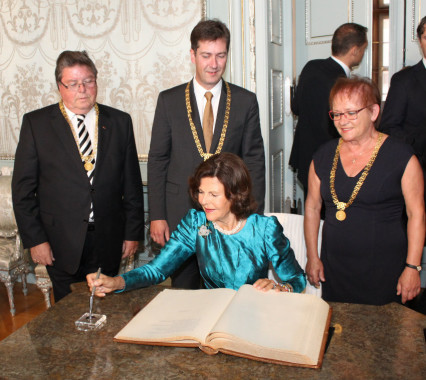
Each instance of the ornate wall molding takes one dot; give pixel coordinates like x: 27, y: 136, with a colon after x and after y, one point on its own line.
x: 416, y: 15
x: 275, y: 22
x: 342, y: 12
x: 204, y: 9
x: 277, y: 98
x: 277, y: 171
x: 252, y: 43
x: 140, y: 48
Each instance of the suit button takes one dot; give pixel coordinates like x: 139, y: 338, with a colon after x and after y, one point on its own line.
x: 92, y: 190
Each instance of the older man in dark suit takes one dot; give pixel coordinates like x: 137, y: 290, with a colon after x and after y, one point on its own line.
x: 310, y: 103
x: 77, y: 189
x: 193, y: 121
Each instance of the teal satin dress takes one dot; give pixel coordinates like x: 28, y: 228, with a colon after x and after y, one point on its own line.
x: 225, y: 261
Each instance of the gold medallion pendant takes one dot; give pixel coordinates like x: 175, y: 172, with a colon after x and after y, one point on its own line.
x: 88, y: 166
x: 340, y: 215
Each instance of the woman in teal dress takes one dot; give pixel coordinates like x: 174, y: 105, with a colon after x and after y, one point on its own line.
x: 233, y: 245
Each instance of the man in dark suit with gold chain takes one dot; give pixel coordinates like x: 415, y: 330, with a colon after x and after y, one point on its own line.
x: 310, y: 103
x: 77, y: 188
x: 193, y: 121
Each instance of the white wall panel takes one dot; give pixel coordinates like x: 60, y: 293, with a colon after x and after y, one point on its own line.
x: 140, y: 47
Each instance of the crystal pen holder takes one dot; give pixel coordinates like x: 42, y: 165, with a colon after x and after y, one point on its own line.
x: 88, y: 323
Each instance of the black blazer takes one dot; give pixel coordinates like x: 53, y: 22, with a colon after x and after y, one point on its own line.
x: 52, y: 193
x: 310, y: 104
x: 404, y: 114
x: 173, y: 155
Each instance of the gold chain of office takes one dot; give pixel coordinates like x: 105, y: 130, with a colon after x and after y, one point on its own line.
x: 341, y: 206
x: 89, y: 158
x: 206, y: 155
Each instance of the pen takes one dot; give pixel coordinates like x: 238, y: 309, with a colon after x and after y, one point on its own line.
x: 93, y: 294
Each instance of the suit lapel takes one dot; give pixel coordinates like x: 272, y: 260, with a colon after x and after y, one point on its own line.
x: 63, y: 130
x: 420, y: 73
x: 196, y: 116
x: 219, y: 119
x: 104, y: 136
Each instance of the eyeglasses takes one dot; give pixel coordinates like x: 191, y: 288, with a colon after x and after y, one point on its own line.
x: 350, y: 115
x: 75, y: 86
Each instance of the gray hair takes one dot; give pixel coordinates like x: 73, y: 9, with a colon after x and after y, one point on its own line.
x: 70, y: 58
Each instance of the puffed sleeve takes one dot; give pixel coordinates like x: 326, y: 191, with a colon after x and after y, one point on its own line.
x: 282, y: 256
x: 177, y: 250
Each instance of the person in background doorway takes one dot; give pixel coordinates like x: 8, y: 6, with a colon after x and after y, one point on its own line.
x: 310, y: 102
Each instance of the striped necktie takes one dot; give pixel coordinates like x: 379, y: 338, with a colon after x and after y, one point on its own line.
x: 86, y: 150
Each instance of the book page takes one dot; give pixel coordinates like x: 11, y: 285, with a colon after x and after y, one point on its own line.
x: 274, y: 320
x: 178, y: 315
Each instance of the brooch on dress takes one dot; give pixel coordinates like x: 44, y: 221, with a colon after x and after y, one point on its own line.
x: 204, y: 230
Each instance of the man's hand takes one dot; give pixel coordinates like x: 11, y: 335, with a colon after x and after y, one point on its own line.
x: 129, y: 248
x: 160, y: 231
x: 42, y: 254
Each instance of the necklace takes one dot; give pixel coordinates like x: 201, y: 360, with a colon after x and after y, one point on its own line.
x: 206, y: 155
x: 230, y: 232
x: 341, y: 206
x: 86, y: 159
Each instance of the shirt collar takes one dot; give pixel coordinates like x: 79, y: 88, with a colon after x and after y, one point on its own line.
x: 344, y: 66
x: 200, y: 90
x: 72, y: 115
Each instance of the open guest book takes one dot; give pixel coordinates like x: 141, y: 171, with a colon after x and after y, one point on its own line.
x: 275, y: 327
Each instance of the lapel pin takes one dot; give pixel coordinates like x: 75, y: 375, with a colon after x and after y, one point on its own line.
x: 103, y: 127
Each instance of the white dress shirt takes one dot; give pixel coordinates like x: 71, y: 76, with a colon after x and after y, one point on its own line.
x: 344, y: 66
x: 201, y: 99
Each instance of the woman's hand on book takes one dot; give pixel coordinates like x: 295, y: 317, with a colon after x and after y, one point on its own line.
x: 104, y: 284
x: 265, y: 284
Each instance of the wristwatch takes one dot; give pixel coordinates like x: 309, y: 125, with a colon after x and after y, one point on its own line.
x: 418, y: 268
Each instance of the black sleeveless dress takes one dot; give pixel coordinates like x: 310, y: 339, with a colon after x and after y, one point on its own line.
x: 365, y: 254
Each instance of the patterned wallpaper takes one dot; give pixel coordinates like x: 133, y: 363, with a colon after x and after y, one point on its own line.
x: 140, y: 47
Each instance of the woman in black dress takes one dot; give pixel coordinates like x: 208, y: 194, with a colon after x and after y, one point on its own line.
x: 372, y: 188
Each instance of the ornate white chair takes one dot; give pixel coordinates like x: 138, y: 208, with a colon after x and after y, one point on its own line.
x: 13, y: 262
x: 293, y: 229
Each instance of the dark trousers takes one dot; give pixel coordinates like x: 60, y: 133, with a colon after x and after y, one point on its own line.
x: 188, y: 275
x: 89, y: 263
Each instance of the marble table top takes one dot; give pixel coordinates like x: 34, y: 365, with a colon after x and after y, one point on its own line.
x: 376, y: 342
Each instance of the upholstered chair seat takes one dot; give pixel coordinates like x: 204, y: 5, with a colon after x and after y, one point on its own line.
x: 293, y: 230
